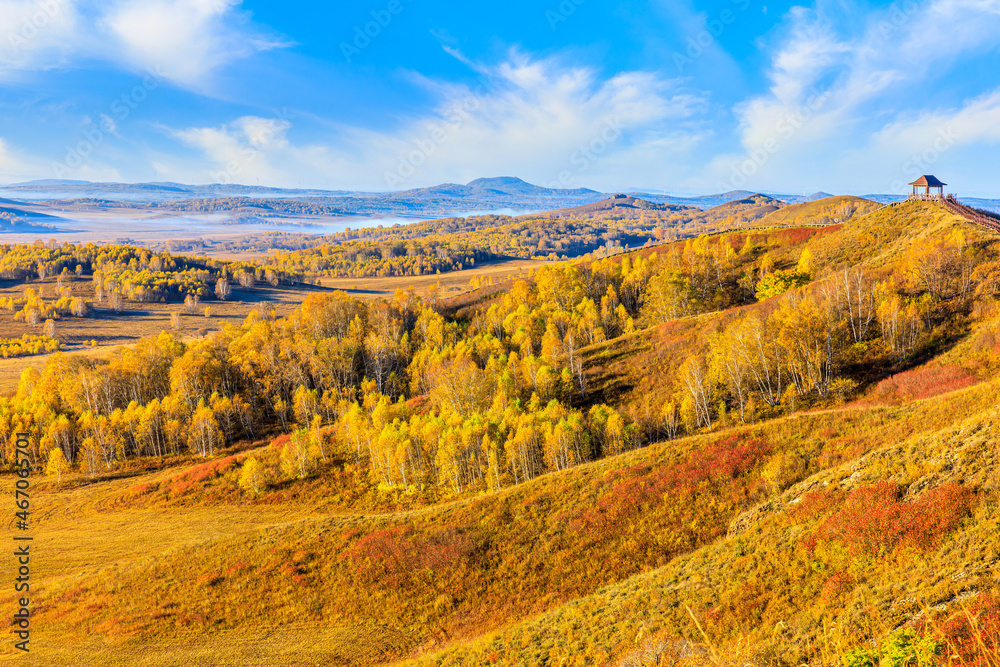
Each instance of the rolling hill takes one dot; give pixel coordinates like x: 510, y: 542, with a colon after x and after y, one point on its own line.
x: 821, y: 211
x: 625, y: 205
x: 678, y: 511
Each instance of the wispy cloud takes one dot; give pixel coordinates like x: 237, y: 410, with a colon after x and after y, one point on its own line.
x: 836, y: 82
x: 978, y: 120
x: 187, y: 39
x: 843, y: 100
x: 37, y: 35
x: 247, y: 150
x: 524, y: 116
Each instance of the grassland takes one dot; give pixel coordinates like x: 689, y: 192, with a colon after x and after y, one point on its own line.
x: 109, y: 329
x: 827, y: 211
x: 451, y: 284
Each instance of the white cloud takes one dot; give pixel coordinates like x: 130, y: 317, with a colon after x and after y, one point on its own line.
x: 977, y: 122
x: 942, y: 141
x: 244, y: 151
x: 108, y: 123
x: 186, y: 39
x: 13, y: 167
x: 938, y: 32
x: 533, y: 118
x: 830, y: 92
x: 36, y: 34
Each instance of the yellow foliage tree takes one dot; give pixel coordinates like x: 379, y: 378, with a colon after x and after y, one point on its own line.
x: 57, y: 464
x: 253, y: 476
x: 297, y: 458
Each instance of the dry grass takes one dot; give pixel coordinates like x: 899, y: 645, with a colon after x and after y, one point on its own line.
x: 761, y: 595
x: 78, y: 534
x: 136, y: 320
x: 450, y: 284
x: 296, y: 645
x: 831, y: 210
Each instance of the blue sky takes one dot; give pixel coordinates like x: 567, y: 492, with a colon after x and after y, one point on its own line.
x: 682, y: 96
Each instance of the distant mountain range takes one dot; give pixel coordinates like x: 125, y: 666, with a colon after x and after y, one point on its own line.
x: 482, y: 193
x: 245, y: 202
x: 504, y: 185
x: 485, y: 195
x: 501, y: 186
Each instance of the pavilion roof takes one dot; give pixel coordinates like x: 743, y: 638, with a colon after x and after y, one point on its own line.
x: 928, y: 181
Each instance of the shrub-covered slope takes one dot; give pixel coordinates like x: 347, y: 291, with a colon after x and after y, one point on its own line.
x: 834, y: 561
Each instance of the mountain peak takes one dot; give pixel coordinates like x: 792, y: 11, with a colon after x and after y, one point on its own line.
x: 502, y: 181
x: 510, y: 185
x: 818, y: 195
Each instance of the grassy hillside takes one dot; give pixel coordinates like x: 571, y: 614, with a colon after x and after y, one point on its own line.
x: 454, y: 570
x: 826, y: 211
x: 693, y: 526
x: 815, y: 571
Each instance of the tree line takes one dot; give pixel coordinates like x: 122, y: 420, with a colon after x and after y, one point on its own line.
x: 415, y: 397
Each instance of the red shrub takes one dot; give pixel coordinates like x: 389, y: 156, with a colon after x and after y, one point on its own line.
x: 795, y: 236
x: 140, y: 490
x: 973, y: 634
x: 871, y: 520
x: 204, y: 471
x: 837, y: 584
x: 922, y: 383
x: 209, y: 580
x: 200, y: 473
x: 814, y: 503
x: 236, y: 568
x: 395, y: 555
x: 662, y: 498
x: 181, y: 488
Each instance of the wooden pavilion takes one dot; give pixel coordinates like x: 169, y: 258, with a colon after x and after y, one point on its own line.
x: 931, y: 186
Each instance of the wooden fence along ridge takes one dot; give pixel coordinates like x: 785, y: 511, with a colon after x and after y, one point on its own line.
x: 979, y: 217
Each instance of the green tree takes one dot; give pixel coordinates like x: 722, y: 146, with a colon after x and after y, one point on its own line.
x: 778, y: 282
x: 903, y: 648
